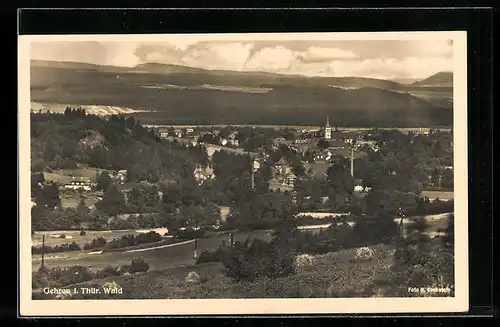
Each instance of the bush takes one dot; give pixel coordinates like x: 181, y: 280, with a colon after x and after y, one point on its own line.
x: 123, y: 269
x: 96, y: 244
x: 208, y: 256
x: 138, y: 265
x: 59, y: 277
x: 131, y: 240
x: 189, y: 233
x: 107, y: 272
x: 150, y: 237
x: 363, y: 254
x: 192, y: 277
x: 83, y: 233
x: 256, y: 259
x: 304, y: 260
x: 58, y: 248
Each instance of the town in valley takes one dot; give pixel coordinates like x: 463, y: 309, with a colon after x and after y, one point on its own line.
x: 281, y: 202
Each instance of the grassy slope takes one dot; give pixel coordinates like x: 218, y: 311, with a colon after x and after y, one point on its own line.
x: 331, y: 275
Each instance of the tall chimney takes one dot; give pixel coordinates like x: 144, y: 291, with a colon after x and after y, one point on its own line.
x: 352, y: 161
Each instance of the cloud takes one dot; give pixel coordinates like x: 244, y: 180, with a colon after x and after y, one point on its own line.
x: 276, y: 58
x: 371, y: 58
x: 85, y: 52
x: 121, y: 54
x: 322, y: 54
x: 224, y: 56
x: 431, y: 48
x: 382, y: 68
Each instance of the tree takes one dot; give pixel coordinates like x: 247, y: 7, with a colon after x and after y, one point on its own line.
x: 449, y: 238
x: 144, y: 198
x: 113, y: 201
x: 104, y: 181
x: 81, y: 209
x: 98, y: 157
x: 323, y: 144
x: 138, y: 265
x: 49, y: 196
x: 69, y: 148
x: 130, y: 122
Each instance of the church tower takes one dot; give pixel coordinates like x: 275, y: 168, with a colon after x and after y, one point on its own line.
x: 328, y: 129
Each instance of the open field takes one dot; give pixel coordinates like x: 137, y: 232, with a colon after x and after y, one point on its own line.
x: 93, y: 109
x: 63, y: 176
x: 71, y: 200
x: 300, y: 127
x: 164, y: 257
x: 51, y: 237
x: 159, y: 258
x: 442, y: 195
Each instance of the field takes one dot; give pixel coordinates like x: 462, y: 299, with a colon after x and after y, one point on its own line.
x: 52, y: 239
x: 99, y: 110
x: 159, y: 258
x: 63, y: 176
x: 442, y: 195
x: 331, y: 275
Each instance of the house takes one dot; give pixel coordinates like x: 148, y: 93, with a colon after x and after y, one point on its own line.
x: 202, y: 174
x: 234, y: 142
x: 121, y: 176
x: 232, y: 135
x: 282, y: 167
x: 178, y: 132
x: 81, y: 183
x: 189, y: 131
x: 163, y: 133
x: 289, y: 179
x: 323, y: 156
x: 223, y: 141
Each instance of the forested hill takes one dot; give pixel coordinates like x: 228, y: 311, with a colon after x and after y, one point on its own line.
x: 168, y: 94
x: 63, y: 141
x: 441, y: 79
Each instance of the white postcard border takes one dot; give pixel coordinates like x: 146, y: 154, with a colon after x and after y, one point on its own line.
x: 459, y: 303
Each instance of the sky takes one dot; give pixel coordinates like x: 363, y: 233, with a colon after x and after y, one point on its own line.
x: 385, y: 59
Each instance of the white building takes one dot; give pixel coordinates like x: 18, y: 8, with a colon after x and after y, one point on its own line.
x: 201, y: 174
x: 328, y: 129
x: 79, y: 184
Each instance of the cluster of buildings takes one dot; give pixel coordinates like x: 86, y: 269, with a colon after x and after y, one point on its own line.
x: 82, y: 183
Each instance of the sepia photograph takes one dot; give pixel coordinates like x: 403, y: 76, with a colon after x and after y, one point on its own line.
x: 243, y: 173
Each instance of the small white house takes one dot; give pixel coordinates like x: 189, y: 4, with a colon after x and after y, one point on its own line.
x: 79, y: 184
x: 178, y: 133
x: 358, y: 188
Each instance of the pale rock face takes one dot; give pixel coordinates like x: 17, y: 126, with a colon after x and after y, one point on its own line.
x: 304, y: 260
x: 364, y: 253
x: 192, y: 277
x: 111, y: 285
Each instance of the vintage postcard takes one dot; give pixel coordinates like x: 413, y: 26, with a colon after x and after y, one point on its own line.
x: 200, y: 174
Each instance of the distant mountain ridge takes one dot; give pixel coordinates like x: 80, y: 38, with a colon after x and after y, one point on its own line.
x: 444, y: 79
x: 254, y: 78
x: 185, y: 95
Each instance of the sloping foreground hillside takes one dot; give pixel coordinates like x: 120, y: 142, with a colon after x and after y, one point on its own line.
x: 330, y: 275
